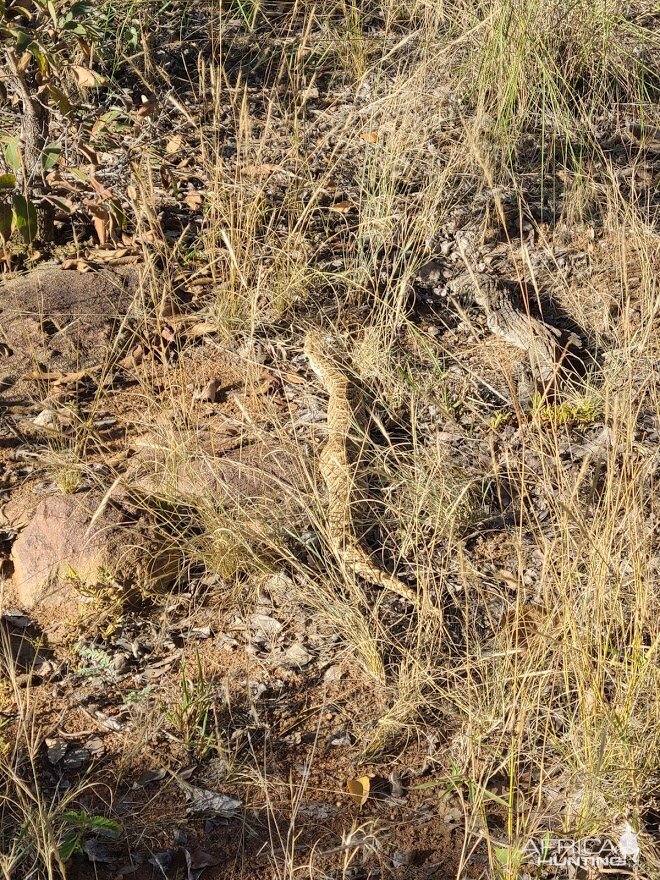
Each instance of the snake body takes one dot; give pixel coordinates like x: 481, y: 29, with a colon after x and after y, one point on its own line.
x: 339, y: 468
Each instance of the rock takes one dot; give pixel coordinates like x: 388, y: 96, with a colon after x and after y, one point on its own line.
x: 46, y: 417
x: 332, y: 674
x: 264, y: 626
x: 61, y: 319
x: 296, y: 655
x: 401, y: 859
x: 56, y: 748
x: 62, y: 550
x: 97, y: 851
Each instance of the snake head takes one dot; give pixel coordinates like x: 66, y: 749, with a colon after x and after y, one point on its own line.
x: 319, y: 343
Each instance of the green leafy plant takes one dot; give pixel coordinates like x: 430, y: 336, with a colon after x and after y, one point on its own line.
x: 581, y: 411
x: 78, y: 825
x: 41, y: 41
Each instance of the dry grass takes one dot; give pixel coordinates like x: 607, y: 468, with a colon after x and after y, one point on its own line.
x: 546, y: 676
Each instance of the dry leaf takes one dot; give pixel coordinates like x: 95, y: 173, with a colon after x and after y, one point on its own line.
x: 358, y: 789
x: 369, y: 137
x: 258, y: 170
x: 132, y: 359
x: 194, y: 200
x: 89, y: 154
x: 209, y: 393
x: 76, y: 265
x: 174, y: 144
x: 342, y: 207
x: 204, y: 328
x: 86, y: 78
x: 147, y: 108
x: 99, y: 188
x: 101, y: 222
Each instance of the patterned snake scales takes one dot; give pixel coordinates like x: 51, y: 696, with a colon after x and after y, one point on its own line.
x: 339, y: 467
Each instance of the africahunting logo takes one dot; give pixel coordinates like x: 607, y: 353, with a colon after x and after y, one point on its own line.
x: 589, y: 852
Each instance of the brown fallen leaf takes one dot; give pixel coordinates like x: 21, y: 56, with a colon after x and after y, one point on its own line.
x: 174, y: 144
x: 194, y: 200
x: 209, y: 393
x: 133, y: 359
x: 204, y: 328
x: 168, y: 334
x: 89, y: 154
x: 147, y: 108
x: 86, y: 78
x: 342, y: 207
x: 358, y: 789
x: 101, y: 223
x: 75, y: 265
x: 258, y: 170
